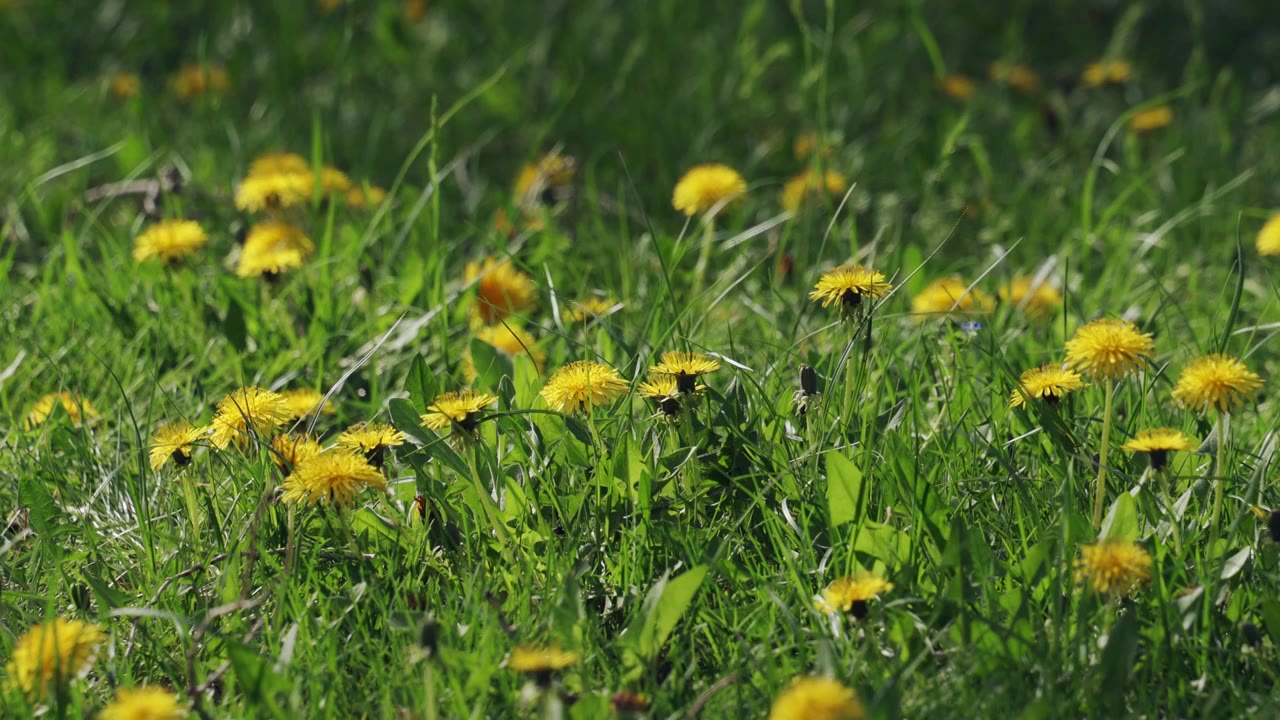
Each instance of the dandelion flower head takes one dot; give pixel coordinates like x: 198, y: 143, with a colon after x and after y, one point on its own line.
x: 1017, y: 76
x: 1047, y: 382
x: 125, y: 85
x: 957, y: 87
x: 359, y: 198
x: 195, y: 79
x: 546, y: 181
x: 289, y: 450
x: 461, y: 408
x: 501, y: 289
x: 582, y: 385
x: 685, y: 365
x: 1215, y: 381
x: 169, y: 241
x: 78, y: 410
x: 704, y: 187
x: 1109, y: 348
x: 549, y: 659
x: 1151, y: 119
x: 52, y: 653
x: 1157, y: 444
x: 301, y: 402
x: 850, y: 594
x: 174, y: 442
x: 273, y: 247
x: 508, y: 338
x: 1113, y: 567
x: 1037, y: 299
x: 816, y: 698
x: 371, y: 437
x: 144, y: 703
x: 590, y: 308
x: 812, y: 185
x: 1103, y: 72
x: 848, y: 285
x: 1268, y: 241
x: 951, y: 295
x: 332, y: 477
x: 245, y: 409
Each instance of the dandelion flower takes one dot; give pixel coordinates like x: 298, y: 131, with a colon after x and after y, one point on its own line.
x: 144, y: 703
x: 372, y: 439
x: 194, y: 80
x: 1103, y: 72
x: 273, y: 190
x: 125, y: 85
x: 51, y: 654
x: 174, y: 442
x: 301, y: 402
x: 501, y: 289
x: 1151, y: 119
x: 1037, y: 299
x: 1269, y: 237
x: 589, y: 308
x: 1049, y: 382
x: 957, y: 87
x: 333, y: 477
x: 806, y: 144
x: 169, y: 240
x: 547, y: 181
x: 1019, y: 77
x: 582, y: 385
x: 1157, y: 444
x: 543, y: 663
x: 245, y: 409
x: 1215, y: 381
x: 508, y: 338
x: 279, y: 163
x: 662, y: 390
x: 272, y: 247
x: 951, y: 295
x: 851, y: 594
x: 1113, y: 567
x: 707, y: 186
x: 848, y: 285
x: 290, y: 450
x: 77, y: 409
x: 629, y: 702
x: 359, y: 198
x: 1109, y: 348
x: 457, y: 408
x: 810, y: 186
x: 686, y: 368
x: 816, y: 698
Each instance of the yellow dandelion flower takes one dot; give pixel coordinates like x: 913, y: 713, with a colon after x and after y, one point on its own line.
x: 806, y: 144
x: 371, y: 439
x: 1157, y: 444
x: 1113, y: 567
x: 125, y: 85
x: 1017, y: 76
x: 1037, y: 299
x: 78, y: 410
x: 245, y: 409
x: 812, y: 186
x: 1048, y: 382
x: 848, y: 285
x: 457, y: 408
x: 686, y: 368
x: 1151, y: 119
x: 1215, y: 381
x: 194, y: 80
x: 301, y: 402
x: 1103, y: 72
x: 547, y: 181
x: 507, y: 338
x: 816, y: 698
x: 957, y: 87
x: 851, y: 594
x: 169, y: 240
x: 590, y: 308
x: 705, y: 187
x: 951, y: 295
x: 1269, y: 237
x: 279, y: 163
x: 273, y: 191
x: 501, y: 289
x: 333, y: 180
x: 1109, y: 348
x: 272, y: 247
x: 332, y: 478
x: 289, y: 450
x: 359, y: 198
x: 174, y: 442
x: 582, y: 385
x: 662, y: 389
x: 542, y: 662
x: 144, y: 703
x: 51, y: 654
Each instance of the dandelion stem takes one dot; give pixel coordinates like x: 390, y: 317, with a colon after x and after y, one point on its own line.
x: 704, y: 254
x: 1100, y: 492
x: 1166, y: 483
x: 1220, y: 468
x: 429, y: 681
x: 486, y: 500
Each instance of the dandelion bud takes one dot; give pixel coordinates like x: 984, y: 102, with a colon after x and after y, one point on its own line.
x: 808, y: 380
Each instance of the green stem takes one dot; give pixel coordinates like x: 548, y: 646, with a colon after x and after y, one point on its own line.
x: 486, y: 501
x: 704, y: 254
x: 1166, y: 483
x: 429, y: 681
x: 1100, y: 491
x: 846, y: 411
x: 193, y: 507
x: 1221, y: 472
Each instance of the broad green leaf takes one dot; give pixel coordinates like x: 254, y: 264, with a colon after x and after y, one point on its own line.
x: 844, y: 488
x: 41, y: 508
x: 1118, y: 656
x: 405, y: 419
x: 1236, y: 563
x: 491, y: 365
x: 1122, y: 520
x: 663, y: 607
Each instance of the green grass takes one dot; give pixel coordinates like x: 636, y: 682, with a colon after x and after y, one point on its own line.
x: 679, y: 558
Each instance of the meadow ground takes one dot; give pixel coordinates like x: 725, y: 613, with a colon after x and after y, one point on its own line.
x: 231, y: 231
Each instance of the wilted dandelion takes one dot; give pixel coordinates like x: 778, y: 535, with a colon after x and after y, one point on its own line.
x: 144, y: 703
x: 849, y: 285
x: 271, y: 248
x: 169, y: 241
x: 1047, y: 382
x: 686, y: 368
x: 508, y: 338
x: 301, y: 402
x: 1151, y: 119
x: 812, y: 185
x: 1268, y: 241
x: 1103, y: 72
x: 1037, y: 299
x: 851, y: 594
x: 333, y: 477
x: 461, y: 409
x: 706, y: 186
x: 1113, y: 568
x: 51, y: 654
x: 951, y: 295
x: 957, y: 87
x: 582, y: 385
x: 174, y: 442
x: 1215, y: 381
x: 501, y: 289
x: 195, y: 80
x: 78, y: 410
x: 816, y: 698
x: 372, y: 439
x: 1157, y: 444
x: 244, y: 410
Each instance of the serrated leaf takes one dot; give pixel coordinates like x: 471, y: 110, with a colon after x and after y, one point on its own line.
x: 844, y: 488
